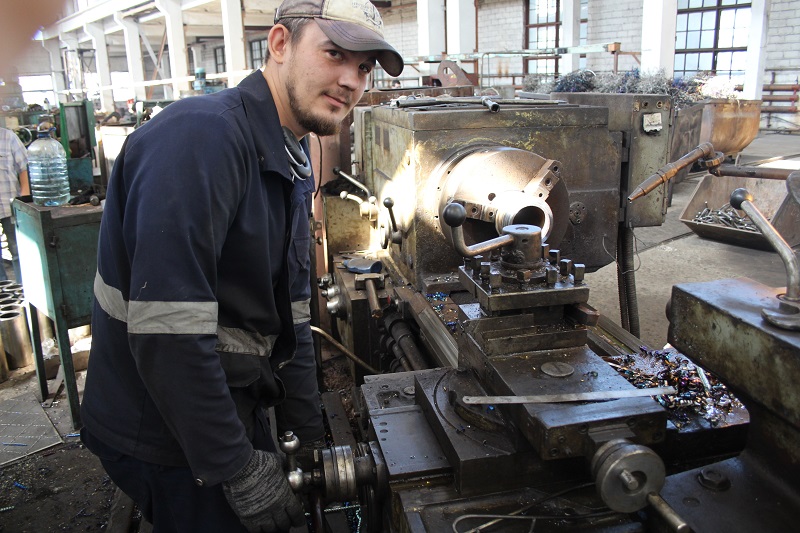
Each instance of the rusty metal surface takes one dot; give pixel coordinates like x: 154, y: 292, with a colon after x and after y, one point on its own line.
x: 645, y: 152
x: 734, y: 495
x: 684, y: 135
x: 719, y: 325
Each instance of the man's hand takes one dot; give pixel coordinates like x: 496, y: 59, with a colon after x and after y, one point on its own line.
x: 260, y: 495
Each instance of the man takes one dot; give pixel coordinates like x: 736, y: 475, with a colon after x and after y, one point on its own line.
x: 13, y: 183
x: 192, y: 315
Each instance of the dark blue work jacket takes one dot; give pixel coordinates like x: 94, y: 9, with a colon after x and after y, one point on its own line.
x: 192, y: 311
x: 299, y: 249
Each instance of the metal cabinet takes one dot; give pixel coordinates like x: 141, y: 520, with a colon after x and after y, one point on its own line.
x: 58, y: 259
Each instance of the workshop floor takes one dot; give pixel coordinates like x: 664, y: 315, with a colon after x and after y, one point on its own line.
x: 672, y: 253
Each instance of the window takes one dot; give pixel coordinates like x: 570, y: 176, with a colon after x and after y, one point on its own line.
x: 219, y: 59
x: 258, y: 52
x: 711, y: 36
x: 542, y: 22
x: 37, y: 89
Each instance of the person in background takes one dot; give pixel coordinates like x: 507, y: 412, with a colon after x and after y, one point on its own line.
x: 193, y: 316
x: 13, y: 183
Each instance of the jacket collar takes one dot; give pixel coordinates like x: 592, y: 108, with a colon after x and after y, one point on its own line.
x: 264, y: 124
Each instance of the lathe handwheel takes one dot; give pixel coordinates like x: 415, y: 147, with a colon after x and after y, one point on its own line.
x: 625, y: 473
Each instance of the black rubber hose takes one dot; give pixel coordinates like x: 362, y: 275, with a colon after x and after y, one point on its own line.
x: 626, y: 281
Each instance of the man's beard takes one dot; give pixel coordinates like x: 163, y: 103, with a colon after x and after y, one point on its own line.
x: 322, y: 126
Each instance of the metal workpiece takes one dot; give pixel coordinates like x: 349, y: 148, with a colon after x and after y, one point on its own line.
x: 787, y: 313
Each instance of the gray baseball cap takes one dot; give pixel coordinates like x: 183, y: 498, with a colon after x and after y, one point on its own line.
x: 353, y: 25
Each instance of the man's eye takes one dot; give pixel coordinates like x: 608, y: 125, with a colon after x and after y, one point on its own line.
x: 335, y: 54
x: 366, y: 69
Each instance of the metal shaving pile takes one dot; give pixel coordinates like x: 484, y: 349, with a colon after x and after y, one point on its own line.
x: 684, y: 92
x: 699, y: 392
x: 725, y: 216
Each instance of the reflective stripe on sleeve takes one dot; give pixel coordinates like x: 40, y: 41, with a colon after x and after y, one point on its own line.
x: 301, y: 311
x: 154, y: 318
x: 236, y: 340
x: 110, y: 299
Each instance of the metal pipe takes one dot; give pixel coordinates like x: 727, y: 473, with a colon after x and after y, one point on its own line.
x: 350, y: 355
x: 764, y: 173
x: 673, y: 520
x: 338, y: 172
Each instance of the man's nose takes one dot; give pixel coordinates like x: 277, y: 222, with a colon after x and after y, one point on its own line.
x: 350, y: 77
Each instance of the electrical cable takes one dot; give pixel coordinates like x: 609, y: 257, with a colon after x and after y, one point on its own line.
x: 350, y: 355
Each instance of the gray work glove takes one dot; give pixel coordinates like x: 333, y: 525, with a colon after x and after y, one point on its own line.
x: 261, y: 497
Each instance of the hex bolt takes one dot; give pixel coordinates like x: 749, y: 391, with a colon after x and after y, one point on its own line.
x: 495, y: 280
x: 555, y: 256
x: 629, y: 481
x: 565, y: 265
x: 713, y: 480
x: 545, y: 250
x: 524, y: 276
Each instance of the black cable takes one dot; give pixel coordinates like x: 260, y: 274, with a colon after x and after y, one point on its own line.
x: 319, y: 180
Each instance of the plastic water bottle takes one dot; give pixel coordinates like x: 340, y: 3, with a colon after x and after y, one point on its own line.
x: 47, y: 170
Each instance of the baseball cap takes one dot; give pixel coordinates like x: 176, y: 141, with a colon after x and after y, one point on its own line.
x: 353, y: 25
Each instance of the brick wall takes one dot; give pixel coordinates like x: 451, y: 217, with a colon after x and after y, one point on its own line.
x: 614, y: 21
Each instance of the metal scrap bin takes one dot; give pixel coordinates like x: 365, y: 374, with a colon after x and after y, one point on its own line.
x: 730, y: 125
x: 770, y: 196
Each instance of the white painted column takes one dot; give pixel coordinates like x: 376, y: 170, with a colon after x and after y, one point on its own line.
x: 570, y: 35
x: 53, y: 47
x: 233, y: 31
x: 659, y: 18
x: 431, y: 24
x: 96, y: 31
x: 756, y: 50
x: 133, y: 52
x: 461, y: 27
x: 73, y: 73
x: 176, y: 40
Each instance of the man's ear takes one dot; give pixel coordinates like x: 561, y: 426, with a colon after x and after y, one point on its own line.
x: 278, y: 42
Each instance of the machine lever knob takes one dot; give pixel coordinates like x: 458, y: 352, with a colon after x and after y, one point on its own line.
x: 787, y: 316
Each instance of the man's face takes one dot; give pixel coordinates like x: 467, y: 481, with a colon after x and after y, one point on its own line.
x: 324, y: 82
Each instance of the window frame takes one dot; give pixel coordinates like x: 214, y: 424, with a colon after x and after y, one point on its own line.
x: 715, y: 8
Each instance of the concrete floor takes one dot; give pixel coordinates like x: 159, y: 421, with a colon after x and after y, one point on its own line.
x: 672, y: 253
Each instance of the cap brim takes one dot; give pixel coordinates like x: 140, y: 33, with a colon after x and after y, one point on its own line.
x: 353, y: 37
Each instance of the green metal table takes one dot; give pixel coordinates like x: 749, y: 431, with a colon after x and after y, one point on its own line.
x: 58, y: 259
